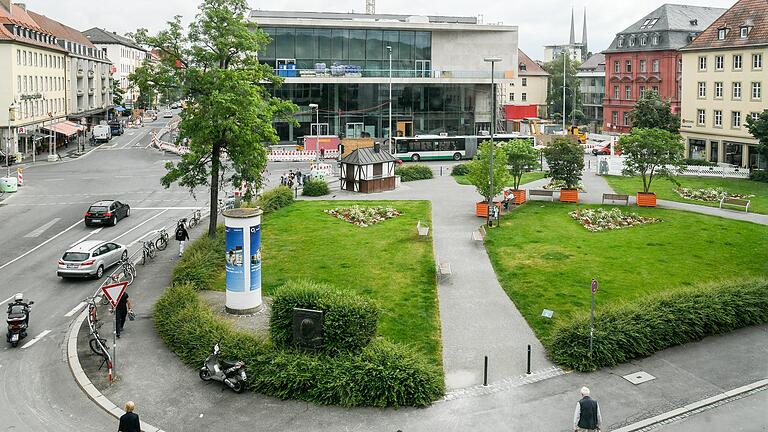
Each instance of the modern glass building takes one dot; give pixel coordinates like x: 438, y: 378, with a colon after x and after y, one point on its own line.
x: 440, y: 81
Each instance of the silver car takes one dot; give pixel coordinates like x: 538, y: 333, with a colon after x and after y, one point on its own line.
x: 90, y: 258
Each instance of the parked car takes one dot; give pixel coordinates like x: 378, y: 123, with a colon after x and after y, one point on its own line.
x: 167, y: 114
x: 90, y: 258
x: 102, y: 133
x: 116, y: 127
x: 106, y: 212
x: 606, y: 150
x: 151, y: 114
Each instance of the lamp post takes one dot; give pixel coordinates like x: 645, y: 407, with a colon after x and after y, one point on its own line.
x: 389, y: 122
x: 11, y: 117
x: 492, y: 61
x: 316, y: 107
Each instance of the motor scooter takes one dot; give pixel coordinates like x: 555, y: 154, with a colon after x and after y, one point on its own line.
x: 231, y: 373
x: 18, y: 320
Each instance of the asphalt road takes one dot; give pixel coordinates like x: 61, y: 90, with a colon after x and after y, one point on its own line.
x: 38, y: 224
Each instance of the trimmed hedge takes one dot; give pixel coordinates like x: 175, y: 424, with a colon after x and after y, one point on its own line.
x: 349, y: 321
x: 759, y: 175
x: 460, y: 170
x: 698, y: 162
x: 413, y: 172
x: 202, y: 261
x: 628, y: 331
x: 274, y: 199
x: 315, y: 187
x: 381, y: 374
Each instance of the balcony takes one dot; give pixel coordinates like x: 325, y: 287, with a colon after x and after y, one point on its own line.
x: 353, y: 71
x: 80, y: 72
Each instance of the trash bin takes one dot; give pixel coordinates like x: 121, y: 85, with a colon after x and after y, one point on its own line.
x: 8, y: 184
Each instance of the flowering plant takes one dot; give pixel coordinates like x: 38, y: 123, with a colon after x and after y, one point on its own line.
x: 708, y: 195
x: 363, y: 216
x: 559, y: 184
x: 600, y: 219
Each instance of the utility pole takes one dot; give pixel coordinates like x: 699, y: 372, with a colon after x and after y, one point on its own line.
x: 492, y: 61
x: 564, y: 61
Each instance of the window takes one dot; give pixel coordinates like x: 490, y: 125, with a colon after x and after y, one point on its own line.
x: 645, y: 24
x: 702, y: 90
x: 628, y: 66
x: 656, y: 89
x: 18, y: 83
x: 718, y: 90
x: 736, y: 91
x: 757, y: 61
x: 721, y: 34
x: 615, y: 118
x: 718, y: 118
x: 524, y: 97
x: 18, y: 57
x: 744, y: 32
x: 737, y: 62
x: 655, y: 65
x: 702, y: 63
x: 719, y: 62
x: 512, y: 97
x: 525, y: 82
x: 616, y: 67
x: 756, y: 91
x: 679, y: 65
x: 615, y: 92
x: 632, y: 41
x: 625, y: 119
x: 620, y: 42
x: 700, y: 117
x: 754, y: 115
x: 643, y: 40
x: 655, y: 39
x: 735, y: 119
x: 653, y: 22
x: 627, y: 92
x: 642, y: 66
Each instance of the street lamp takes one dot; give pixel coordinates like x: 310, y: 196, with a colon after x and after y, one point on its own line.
x: 389, y: 123
x: 11, y: 117
x: 316, y: 107
x: 492, y: 61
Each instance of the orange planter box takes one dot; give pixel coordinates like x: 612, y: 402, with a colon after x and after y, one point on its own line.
x: 481, y: 208
x: 569, y: 195
x: 646, y: 199
x: 520, y: 196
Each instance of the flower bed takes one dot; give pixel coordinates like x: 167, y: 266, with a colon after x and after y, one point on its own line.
x: 601, y: 220
x: 708, y: 195
x: 559, y: 184
x: 363, y: 216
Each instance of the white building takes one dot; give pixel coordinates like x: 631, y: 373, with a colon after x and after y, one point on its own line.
x: 126, y: 57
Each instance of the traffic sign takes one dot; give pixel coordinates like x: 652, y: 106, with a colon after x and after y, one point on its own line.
x: 594, y: 286
x: 114, y: 292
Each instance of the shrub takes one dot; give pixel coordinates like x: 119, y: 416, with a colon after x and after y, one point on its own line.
x: 202, y: 262
x: 349, y: 321
x: 659, y: 321
x: 315, y: 187
x: 759, y: 175
x: 275, y: 199
x: 460, y: 170
x: 698, y: 162
x: 413, y: 172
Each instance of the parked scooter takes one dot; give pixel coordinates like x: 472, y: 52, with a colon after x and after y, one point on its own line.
x: 18, y: 319
x: 231, y: 373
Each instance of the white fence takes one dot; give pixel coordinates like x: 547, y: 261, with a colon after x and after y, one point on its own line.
x: 297, y: 156
x: 613, y: 165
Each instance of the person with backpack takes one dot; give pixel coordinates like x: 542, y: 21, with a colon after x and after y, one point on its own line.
x: 181, y: 235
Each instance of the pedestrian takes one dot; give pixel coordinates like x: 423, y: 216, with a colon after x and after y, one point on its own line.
x: 299, y: 178
x: 129, y: 422
x: 124, y: 307
x: 182, y: 236
x: 587, y: 416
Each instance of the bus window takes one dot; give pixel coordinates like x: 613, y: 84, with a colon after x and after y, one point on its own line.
x: 402, y: 146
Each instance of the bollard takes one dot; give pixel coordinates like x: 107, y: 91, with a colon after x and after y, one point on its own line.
x: 528, y: 370
x: 441, y: 170
x: 296, y: 189
x: 485, y: 372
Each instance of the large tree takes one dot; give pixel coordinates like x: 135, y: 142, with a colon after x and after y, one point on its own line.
x: 758, y: 127
x: 652, y: 112
x: 573, y: 103
x: 521, y: 158
x: 117, y: 93
x: 652, y: 153
x: 230, y: 115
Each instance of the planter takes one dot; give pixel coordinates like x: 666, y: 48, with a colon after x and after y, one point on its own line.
x: 569, y: 195
x: 481, y: 208
x: 646, y: 199
x: 520, y: 196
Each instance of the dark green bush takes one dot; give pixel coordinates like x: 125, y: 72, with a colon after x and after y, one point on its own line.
x: 759, y: 175
x: 460, y: 170
x: 659, y: 321
x: 349, y: 321
x: 698, y: 162
x: 413, y: 172
x: 275, y: 199
x: 202, y: 262
x: 315, y: 187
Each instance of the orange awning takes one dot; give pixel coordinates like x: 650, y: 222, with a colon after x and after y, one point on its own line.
x: 66, y: 128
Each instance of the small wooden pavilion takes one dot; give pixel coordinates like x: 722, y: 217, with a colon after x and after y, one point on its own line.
x: 368, y: 170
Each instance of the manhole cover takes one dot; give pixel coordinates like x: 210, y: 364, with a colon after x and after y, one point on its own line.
x: 639, y: 377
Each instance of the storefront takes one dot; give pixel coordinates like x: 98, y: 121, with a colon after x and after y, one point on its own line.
x: 697, y: 149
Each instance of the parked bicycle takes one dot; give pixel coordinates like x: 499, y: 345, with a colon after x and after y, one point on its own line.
x: 97, y: 343
x: 162, y: 241
x: 195, y: 219
x: 147, y: 251
x: 125, y: 272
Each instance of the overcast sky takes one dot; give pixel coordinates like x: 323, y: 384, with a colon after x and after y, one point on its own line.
x: 541, y: 22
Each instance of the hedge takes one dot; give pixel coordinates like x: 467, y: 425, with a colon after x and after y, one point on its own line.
x: 759, y: 175
x: 349, y: 321
x: 381, y: 374
x: 628, y: 331
x: 203, y: 261
x: 460, y: 170
x: 274, y: 199
x: 315, y: 187
x: 413, y: 172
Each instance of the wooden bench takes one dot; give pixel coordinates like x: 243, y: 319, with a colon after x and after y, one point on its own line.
x: 542, y: 192
x: 422, y: 230
x: 735, y: 202
x: 443, y: 270
x: 615, y: 197
x: 480, y: 234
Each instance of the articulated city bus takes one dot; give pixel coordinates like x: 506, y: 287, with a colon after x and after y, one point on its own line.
x: 434, y: 147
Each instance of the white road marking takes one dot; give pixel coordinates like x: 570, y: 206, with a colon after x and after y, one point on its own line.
x: 35, y: 339
x: 53, y: 179
x: 142, y: 237
x: 85, y: 237
x: 164, y: 208
x: 8, y: 299
x: 37, y: 232
x: 75, y: 309
x: 40, y: 245
x: 136, y: 227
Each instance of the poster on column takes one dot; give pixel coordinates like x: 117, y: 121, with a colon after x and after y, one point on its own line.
x: 255, y: 257
x: 234, y: 266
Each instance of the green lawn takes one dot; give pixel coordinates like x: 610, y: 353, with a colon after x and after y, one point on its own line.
x: 546, y: 260
x: 664, y: 189
x: 385, y: 262
x: 527, y: 178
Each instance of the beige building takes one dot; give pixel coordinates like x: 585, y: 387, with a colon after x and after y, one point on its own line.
x: 724, y: 82
x: 525, y: 95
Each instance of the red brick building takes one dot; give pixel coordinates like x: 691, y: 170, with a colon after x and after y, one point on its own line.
x: 646, y: 56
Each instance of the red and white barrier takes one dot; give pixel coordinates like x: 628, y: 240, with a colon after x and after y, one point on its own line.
x: 299, y: 156
x: 20, y: 176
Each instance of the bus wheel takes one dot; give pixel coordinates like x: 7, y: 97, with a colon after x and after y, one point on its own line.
x: 415, y: 158
x: 457, y: 156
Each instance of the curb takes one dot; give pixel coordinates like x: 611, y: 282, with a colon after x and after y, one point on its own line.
x: 85, y: 384
x: 693, y: 407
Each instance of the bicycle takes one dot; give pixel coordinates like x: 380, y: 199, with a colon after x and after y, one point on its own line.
x: 147, y: 251
x: 162, y: 242
x: 195, y: 219
x: 126, y: 271
x: 97, y: 343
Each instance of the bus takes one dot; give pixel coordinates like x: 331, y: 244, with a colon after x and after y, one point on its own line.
x: 435, y: 147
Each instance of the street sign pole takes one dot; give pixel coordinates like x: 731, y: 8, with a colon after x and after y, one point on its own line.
x: 113, y: 293
x: 592, y: 316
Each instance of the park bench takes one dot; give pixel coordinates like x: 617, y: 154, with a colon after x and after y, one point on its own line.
x: 615, y: 197
x: 422, y: 230
x: 735, y: 202
x: 480, y: 234
x: 443, y: 270
x: 541, y: 192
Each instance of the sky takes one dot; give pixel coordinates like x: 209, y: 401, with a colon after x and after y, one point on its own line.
x: 540, y: 22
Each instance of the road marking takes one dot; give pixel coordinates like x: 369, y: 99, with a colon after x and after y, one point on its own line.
x: 37, y: 232
x: 8, y: 299
x: 146, y: 234
x: 75, y: 309
x: 164, y: 208
x: 35, y: 339
x: 136, y: 227
x: 53, y: 179
x: 85, y: 237
x: 40, y: 245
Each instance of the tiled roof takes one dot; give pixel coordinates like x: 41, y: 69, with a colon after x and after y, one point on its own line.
x: 101, y: 36
x: 531, y: 67
x: 596, y: 62
x: 750, y: 13
x: 20, y: 17
x: 366, y: 156
x: 60, y: 30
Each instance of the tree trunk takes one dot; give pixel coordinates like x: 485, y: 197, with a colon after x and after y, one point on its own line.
x: 215, y: 161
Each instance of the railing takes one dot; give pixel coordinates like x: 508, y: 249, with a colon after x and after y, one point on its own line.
x: 614, y: 165
x: 296, y: 156
x: 352, y: 71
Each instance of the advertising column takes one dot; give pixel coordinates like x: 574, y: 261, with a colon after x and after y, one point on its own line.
x: 243, y: 260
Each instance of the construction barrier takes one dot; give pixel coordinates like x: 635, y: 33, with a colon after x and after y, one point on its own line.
x: 298, y: 156
x: 20, y: 176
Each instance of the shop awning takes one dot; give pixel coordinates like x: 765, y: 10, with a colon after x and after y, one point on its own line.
x: 66, y: 128
x: 119, y: 109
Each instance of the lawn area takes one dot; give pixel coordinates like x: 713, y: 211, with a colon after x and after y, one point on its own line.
x: 385, y: 262
x: 664, y: 189
x: 546, y: 260
x: 527, y: 178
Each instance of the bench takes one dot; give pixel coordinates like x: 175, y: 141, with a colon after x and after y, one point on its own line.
x: 480, y: 234
x: 615, y: 197
x: 735, y: 202
x: 541, y: 192
x: 443, y: 270
x: 422, y: 230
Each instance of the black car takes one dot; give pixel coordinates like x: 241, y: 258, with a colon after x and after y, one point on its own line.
x: 106, y: 212
x: 116, y: 128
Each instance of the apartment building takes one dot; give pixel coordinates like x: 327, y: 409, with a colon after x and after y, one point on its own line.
x: 525, y: 96
x: 126, y: 56
x: 591, y: 76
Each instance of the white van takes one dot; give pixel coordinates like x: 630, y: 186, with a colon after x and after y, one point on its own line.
x: 102, y: 133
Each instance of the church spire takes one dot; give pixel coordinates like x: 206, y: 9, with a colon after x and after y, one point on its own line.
x: 573, y: 33
x: 584, y: 36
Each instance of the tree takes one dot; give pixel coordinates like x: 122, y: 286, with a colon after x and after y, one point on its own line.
x: 652, y: 153
x: 231, y: 111
x: 573, y: 103
x: 479, y: 170
x: 117, y: 93
x: 142, y: 80
x: 521, y: 158
x: 758, y: 127
x: 566, y: 161
x: 652, y: 112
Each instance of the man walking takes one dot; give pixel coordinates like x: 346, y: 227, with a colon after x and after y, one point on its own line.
x: 182, y: 236
x: 129, y: 422
x: 124, y: 306
x: 587, y: 415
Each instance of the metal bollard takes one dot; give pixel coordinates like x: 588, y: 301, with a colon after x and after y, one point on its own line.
x: 441, y: 170
x: 485, y: 372
x: 528, y: 370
